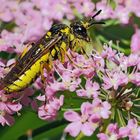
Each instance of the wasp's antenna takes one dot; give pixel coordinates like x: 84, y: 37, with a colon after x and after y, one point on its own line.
x: 96, y: 14
x: 100, y: 22
x: 91, y: 20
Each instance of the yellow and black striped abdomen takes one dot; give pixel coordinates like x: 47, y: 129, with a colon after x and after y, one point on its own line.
x: 22, y: 81
x: 27, y: 77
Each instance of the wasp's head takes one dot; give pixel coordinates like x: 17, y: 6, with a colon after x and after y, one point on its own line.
x: 79, y: 28
x: 79, y: 31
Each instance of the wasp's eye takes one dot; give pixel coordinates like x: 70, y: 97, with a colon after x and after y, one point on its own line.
x: 79, y: 29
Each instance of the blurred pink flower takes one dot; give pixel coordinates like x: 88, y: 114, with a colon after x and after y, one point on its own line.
x: 52, y: 88
x: 132, y: 60
x: 85, y: 7
x: 4, y: 67
x: 132, y: 5
x: 122, y: 13
x: 5, y: 11
x: 70, y: 82
x: 135, y: 42
x: 11, y: 40
x: 108, y: 52
x: 107, y: 11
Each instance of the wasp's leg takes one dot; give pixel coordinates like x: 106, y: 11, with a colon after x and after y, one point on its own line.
x: 70, y: 58
x: 63, y: 52
x: 75, y: 64
x: 45, y: 65
x: 84, y: 52
x: 43, y: 79
x: 42, y: 72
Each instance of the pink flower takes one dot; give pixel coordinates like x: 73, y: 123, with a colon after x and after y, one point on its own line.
x: 101, y: 108
x: 69, y: 81
x: 132, y: 5
x: 79, y: 123
x: 108, y: 52
x: 107, y: 11
x: 91, y: 90
x: 84, y: 7
x: 26, y: 96
x: 49, y: 110
x: 122, y: 13
x: 1, y: 69
x: 11, y: 39
x: 135, y: 42
x: 133, y: 60
x: 4, y: 68
x: 5, y: 118
x: 5, y: 11
x: 132, y: 130
x: 86, y: 66
x: 135, y: 78
x: 7, y: 109
x: 52, y: 88
x: 111, y: 133
x: 114, y: 78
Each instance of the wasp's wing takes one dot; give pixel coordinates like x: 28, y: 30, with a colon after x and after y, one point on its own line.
x: 38, y: 48
x: 26, y: 49
x: 34, y: 54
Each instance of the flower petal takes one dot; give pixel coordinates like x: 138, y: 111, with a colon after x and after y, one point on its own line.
x: 71, y: 116
x: 73, y: 128
x: 87, y: 129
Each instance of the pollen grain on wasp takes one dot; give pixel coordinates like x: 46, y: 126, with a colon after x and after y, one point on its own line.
x: 52, y: 46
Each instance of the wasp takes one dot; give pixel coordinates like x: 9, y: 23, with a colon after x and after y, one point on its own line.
x: 53, y: 45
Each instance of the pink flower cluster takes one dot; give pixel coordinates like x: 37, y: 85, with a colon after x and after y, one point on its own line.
x: 113, y: 132
x: 106, y: 75
x: 90, y: 118
x: 121, y: 11
x: 135, y: 42
x: 7, y: 109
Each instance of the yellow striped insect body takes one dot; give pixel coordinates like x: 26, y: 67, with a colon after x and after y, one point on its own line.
x: 53, y: 45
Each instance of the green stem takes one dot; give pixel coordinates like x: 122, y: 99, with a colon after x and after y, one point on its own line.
x: 120, y: 118
x: 80, y: 136
x: 105, y: 125
x: 66, y: 109
x: 113, y: 45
